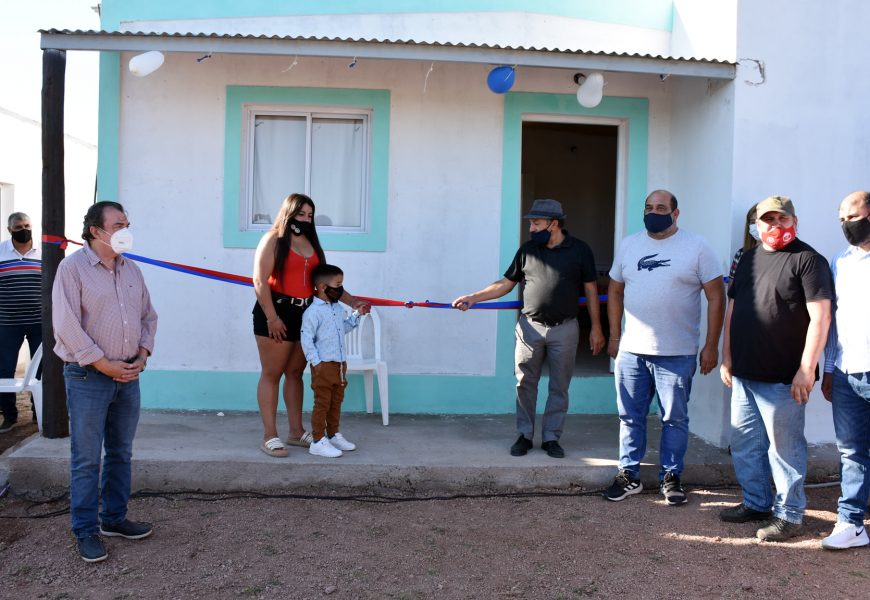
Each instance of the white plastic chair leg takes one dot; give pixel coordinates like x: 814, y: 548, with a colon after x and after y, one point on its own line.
x: 384, y: 393
x: 37, y: 405
x: 370, y: 391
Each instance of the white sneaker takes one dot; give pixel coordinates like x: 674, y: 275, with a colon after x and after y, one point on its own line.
x: 846, y: 535
x: 322, y: 447
x: 341, y: 443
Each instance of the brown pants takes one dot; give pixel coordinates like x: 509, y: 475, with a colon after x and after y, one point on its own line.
x: 328, y: 382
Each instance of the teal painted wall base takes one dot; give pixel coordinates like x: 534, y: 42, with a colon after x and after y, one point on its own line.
x: 427, y: 394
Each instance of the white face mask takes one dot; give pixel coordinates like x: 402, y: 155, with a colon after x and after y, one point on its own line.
x: 121, y: 241
x: 753, y: 231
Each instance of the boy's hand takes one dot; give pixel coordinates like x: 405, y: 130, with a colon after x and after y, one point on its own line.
x: 362, y: 307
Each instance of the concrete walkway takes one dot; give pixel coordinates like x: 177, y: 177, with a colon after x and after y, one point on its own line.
x: 201, y: 450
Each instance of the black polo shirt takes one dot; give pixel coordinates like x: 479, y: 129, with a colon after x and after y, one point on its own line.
x: 553, y: 278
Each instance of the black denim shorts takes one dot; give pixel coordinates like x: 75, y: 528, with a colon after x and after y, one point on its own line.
x: 288, y: 311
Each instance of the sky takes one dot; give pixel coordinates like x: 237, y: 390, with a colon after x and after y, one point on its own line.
x: 21, y: 61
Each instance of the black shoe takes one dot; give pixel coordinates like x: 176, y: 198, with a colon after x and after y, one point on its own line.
x: 553, y: 449
x: 91, y: 549
x: 521, y: 446
x: 623, y: 486
x: 7, y: 425
x: 742, y: 514
x: 127, y: 529
x: 672, y: 490
x: 778, y: 530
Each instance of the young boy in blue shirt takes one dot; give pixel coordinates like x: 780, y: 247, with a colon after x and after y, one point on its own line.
x: 324, y: 325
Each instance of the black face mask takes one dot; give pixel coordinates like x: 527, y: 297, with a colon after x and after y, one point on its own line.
x: 301, y: 227
x: 656, y: 223
x: 22, y: 236
x: 857, y: 232
x: 334, y: 293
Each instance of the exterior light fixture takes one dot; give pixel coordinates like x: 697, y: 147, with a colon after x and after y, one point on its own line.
x: 143, y: 65
x: 591, y: 89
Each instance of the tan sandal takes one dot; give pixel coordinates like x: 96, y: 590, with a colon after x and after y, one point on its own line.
x: 274, y: 447
x: 304, y: 440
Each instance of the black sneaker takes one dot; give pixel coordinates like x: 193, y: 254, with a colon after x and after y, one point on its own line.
x: 127, y: 529
x: 623, y: 486
x: 778, y: 530
x: 7, y: 425
x: 672, y: 490
x: 743, y: 514
x: 91, y: 549
x: 553, y: 449
x: 521, y: 446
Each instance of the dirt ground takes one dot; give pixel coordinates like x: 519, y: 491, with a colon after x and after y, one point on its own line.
x: 559, y: 547
x: 23, y: 428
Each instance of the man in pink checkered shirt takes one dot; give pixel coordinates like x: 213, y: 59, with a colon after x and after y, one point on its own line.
x: 104, y: 326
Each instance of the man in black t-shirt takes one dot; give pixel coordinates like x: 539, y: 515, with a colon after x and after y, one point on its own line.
x: 775, y: 328
x: 556, y: 269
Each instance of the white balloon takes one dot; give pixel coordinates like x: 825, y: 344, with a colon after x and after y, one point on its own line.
x: 591, y: 91
x: 145, y: 64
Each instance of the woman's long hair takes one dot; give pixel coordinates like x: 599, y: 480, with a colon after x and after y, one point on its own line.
x: 291, y: 207
x: 749, y: 242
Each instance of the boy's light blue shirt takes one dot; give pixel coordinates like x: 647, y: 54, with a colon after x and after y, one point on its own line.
x: 324, y: 325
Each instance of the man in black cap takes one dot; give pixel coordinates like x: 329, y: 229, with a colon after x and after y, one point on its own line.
x: 556, y: 269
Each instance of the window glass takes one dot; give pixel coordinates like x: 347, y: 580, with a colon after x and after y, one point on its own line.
x: 278, y: 165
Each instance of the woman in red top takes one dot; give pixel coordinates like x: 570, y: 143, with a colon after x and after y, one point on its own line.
x: 285, y: 257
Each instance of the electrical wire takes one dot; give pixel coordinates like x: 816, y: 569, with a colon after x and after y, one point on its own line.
x: 202, y: 496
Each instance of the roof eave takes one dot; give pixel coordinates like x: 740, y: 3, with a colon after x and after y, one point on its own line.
x: 387, y: 50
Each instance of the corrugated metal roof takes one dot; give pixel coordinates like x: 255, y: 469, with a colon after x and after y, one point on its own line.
x: 390, y: 49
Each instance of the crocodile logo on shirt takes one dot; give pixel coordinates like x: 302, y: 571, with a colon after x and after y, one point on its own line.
x: 647, y: 263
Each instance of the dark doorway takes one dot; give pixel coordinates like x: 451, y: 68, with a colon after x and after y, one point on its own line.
x: 576, y: 164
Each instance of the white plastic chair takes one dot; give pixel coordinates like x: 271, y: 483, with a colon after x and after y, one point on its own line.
x: 369, y: 363
x: 28, y: 383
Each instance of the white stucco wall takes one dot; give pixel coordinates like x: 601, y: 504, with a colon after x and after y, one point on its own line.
x: 700, y: 174
x: 804, y: 132
x: 443, y: 207
x: 704, y: 29
x: 21, y: 167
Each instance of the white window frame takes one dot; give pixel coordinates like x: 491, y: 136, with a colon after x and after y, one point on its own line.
x: 309, y: 112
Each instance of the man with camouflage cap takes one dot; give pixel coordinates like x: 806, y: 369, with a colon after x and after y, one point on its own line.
x: 775, y: 328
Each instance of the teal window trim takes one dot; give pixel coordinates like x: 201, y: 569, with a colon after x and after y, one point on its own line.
x: 108, y: 126
x: 376, y: 101
x: 632, y: 112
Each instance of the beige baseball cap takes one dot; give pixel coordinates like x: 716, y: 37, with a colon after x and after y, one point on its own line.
x: 780, y: 204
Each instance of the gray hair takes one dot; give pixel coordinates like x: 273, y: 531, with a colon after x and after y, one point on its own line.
x: 16, y: 216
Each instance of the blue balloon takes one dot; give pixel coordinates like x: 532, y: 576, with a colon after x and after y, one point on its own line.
x: 501, y: 79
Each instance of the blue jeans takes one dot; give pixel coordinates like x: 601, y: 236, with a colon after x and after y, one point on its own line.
x: 11, y: 338
x: 102, y: 412
x: 639, y: 377
x: 851, y: 402
x: 767, y: 439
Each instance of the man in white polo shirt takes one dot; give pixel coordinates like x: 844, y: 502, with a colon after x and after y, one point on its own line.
x: 846, y: 383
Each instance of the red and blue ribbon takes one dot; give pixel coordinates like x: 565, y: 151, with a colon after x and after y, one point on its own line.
x: 248, y: 282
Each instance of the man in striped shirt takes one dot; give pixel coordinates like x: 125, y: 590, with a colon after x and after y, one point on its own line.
x: 104, y: 326
x: 20, y: 304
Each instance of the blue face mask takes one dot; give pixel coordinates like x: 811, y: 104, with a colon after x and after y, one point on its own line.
x: 541, y: 237
x: 656, y: 223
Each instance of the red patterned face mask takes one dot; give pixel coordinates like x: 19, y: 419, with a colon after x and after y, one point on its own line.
x: 779, y: 237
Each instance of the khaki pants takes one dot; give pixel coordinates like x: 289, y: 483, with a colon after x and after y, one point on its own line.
x: 328, y: 382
